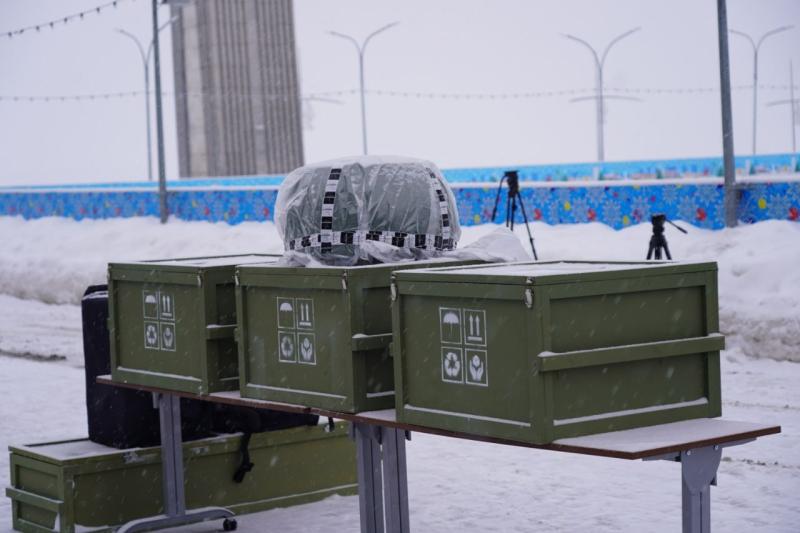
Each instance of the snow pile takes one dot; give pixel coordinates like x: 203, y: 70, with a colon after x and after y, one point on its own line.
x: 53, y: 260
x: 36, y: 330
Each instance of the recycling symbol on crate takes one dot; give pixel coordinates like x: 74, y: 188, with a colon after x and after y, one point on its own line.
x: 463, y: 337
x: 158, y: 311
x: 296, y: 339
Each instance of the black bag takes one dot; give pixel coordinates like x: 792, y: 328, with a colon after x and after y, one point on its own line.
x: 124, y: 418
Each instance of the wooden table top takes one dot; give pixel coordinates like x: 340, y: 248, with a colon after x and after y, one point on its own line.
x: 638, y: 443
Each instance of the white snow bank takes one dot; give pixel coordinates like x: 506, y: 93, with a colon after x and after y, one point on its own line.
x: 36, y: 330
x: 53, y: 260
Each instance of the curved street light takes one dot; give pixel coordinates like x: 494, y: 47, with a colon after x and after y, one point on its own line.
x: 146, y: 62
x: 599, y: 62
x: 756, y: 46
x: 360, y: 48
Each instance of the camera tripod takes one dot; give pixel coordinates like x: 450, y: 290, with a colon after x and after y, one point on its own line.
x: 658, y: 242
x: 512, y: 179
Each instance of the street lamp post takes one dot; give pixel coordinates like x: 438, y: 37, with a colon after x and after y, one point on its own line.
x: 360, y: 48
x: 146, y: 64
x: 599, y: 62
x: 756, y: 46
x: 792, y: 102
x: 731, y: 198
x: 162, y: 171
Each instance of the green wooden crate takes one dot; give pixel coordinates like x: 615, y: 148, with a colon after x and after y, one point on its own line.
x: 318, y: 336
x: 172, y: 322
x: 535, y: 352
x: 78, y: 485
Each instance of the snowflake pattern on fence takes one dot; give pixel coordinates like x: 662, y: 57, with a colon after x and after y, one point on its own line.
x: 617, y: 205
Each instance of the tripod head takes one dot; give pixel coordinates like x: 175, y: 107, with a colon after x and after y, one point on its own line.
x: 658, y: 221
x: 658, y: 243
x: 512, y: 177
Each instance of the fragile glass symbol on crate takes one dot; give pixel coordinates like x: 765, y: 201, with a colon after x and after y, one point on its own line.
x: 467, y: 361
x: 159, y: 320
x: 294, y: 316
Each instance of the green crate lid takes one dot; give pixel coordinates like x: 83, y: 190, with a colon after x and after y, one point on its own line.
x: 546, y: 273
x: 272, y: 269
x: 193, y: 264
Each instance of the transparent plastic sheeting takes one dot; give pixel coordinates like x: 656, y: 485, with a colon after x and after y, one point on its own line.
x: 499, y: 246
x: 367, y: 209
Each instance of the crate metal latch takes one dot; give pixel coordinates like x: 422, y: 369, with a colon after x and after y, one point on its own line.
x: 528, y: 297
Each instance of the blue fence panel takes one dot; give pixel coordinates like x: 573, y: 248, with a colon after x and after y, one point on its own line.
x: 617, y: 203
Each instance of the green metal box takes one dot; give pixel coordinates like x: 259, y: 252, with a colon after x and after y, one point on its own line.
x: 535, y: 352
x: 318, y: 336
x: 172, y: 322
x: 71, y: 486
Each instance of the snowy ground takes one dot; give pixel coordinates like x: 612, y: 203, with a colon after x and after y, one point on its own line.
x: 452, y: 484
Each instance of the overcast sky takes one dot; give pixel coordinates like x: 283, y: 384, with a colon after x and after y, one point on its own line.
x: 440, y: 46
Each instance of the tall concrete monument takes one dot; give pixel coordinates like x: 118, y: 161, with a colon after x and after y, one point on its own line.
x: 237, y: 91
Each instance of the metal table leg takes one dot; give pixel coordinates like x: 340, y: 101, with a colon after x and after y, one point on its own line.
x: 395, y: 480
x: 698, y: 471
x: 382, y: 478
x: 175, y: 513
x: 370, y: 478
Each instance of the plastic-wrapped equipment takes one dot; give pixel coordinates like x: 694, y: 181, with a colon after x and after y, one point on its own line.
x: 367, y: 209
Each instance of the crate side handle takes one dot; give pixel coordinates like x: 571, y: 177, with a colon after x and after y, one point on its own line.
x: 35, y: 500
x: 363, y: 342
x: 219, y: 331
x: 552, y: 361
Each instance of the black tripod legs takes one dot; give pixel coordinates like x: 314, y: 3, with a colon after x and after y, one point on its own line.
x: 527, y: 227
x: 657, y: 244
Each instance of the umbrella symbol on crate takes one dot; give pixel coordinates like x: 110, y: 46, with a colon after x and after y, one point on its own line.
x: 452, y: 364
x: 306, y: 349
x: 453, y: 322
x: 476, y: 368
x: 286, y: 307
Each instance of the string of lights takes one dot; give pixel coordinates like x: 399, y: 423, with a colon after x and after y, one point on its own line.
x: 326, y: 95
x: 62, y: 21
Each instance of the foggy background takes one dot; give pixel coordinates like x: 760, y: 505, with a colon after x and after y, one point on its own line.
x: 446, y: 46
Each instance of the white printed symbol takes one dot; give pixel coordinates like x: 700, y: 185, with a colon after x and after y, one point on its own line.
x: 151, y: 335
x: 308, y: 352
x: 285, y: 313
x: 167, y: 336
x: 150, y: 304
x: 452, y: 364
x: 475, y: 326
x: 476, y: 368
x: 450, y: 324
x: 305, y: 313
x: 452, y: 369
x: 295, y: 345
x: 167, y: 307
x: 286, y: 346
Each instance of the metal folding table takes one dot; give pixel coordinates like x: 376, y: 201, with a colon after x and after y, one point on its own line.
x: 382, y: 476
